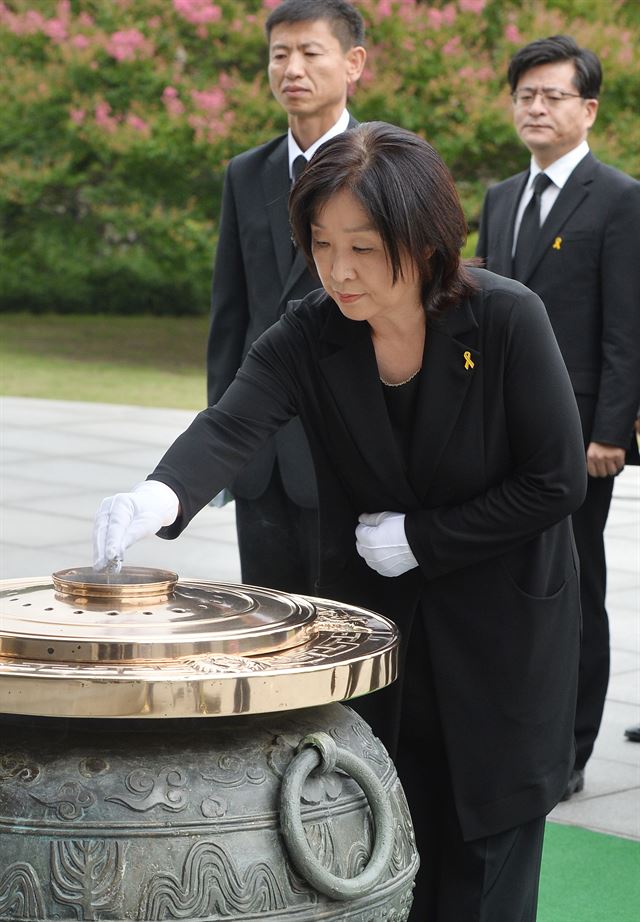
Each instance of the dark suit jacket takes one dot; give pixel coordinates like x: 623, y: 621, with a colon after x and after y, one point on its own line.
x: 497, y: 465
x: 255, y: 275
x: 586, y: 269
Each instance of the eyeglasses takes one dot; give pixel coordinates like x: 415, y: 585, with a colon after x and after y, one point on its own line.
x: 550, y: 95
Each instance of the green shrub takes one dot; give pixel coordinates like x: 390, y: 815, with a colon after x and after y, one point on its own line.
x: 119, y: 117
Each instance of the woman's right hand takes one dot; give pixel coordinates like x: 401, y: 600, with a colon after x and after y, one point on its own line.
x: 125, y: 518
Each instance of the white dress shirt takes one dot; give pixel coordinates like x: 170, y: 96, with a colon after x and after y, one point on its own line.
x: 558, y: 172
x: 294, y: 151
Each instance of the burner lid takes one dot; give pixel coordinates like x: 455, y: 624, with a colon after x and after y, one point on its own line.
x: 146, y: 644
x: 145, y: 615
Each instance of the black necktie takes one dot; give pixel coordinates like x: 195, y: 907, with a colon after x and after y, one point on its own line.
x: 297, y: 167
x: 529, y: 228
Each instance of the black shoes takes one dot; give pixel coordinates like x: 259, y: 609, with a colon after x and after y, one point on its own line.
x: 575, y: 783
x: 576, y: 778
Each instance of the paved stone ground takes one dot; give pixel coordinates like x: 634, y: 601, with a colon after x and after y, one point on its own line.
x: 60, y: 458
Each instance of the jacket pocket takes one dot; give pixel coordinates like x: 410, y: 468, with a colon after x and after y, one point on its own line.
x: 536, y: 667
x: 541, y: 568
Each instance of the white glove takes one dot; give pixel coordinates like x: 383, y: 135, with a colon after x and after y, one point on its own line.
x: 125, y: 518
x: 381, y: 540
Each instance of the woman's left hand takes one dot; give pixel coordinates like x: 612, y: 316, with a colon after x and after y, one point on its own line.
x: 381, y: 540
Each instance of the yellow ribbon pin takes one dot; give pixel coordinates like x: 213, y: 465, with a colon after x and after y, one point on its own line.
x: 467, y: 361
x: 557, y: 243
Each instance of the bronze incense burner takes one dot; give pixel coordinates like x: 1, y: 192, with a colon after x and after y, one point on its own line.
x: 176, y: 749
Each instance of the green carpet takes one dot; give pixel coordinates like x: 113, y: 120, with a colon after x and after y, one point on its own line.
x: 588, y: 877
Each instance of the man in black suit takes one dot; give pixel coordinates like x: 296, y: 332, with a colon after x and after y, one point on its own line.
x: 569, y: 227
x: 315, y: 57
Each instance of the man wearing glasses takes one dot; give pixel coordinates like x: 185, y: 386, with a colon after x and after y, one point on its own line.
x: 569, y: 229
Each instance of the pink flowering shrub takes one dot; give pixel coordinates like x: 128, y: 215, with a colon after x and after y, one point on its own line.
x: 198, y: 12
x: 119, y: 119
x: 128, y: 45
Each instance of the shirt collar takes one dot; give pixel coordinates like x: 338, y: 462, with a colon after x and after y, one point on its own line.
x: 294, y: 150
x: 562, y: 168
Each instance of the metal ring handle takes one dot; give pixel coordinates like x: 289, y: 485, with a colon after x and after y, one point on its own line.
x: 302, y: 858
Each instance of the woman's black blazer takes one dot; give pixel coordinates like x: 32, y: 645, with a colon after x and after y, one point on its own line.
x: 497, y: 465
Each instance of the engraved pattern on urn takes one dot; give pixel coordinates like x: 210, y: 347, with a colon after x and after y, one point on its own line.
x: 167, y: 790
x: 233, y: 772
x: 16, y: 766
x: 212, y: 883
x: 372, y: 749
x: 86, y: 876
x: 21, y: 895
x: 70, y: 803
x: 404, y: 845
x: 317, y: 787
x: 181, y: 822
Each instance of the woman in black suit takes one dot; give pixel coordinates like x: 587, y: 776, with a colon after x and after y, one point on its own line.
x: 448, y: 452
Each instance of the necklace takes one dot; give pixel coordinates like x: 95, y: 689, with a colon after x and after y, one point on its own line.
x: 400, y: 383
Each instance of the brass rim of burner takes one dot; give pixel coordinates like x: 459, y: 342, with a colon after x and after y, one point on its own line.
x: 212, y: 649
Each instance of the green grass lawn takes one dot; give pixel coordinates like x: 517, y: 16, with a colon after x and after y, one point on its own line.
x: 147, y: 361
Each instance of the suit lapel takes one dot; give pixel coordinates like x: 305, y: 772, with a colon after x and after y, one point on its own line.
x: 351, y: 373
x: 275, y: 184
x: 299, y: 264
x: 296, y: 268
x: 448, y: 369
x: 504, y: 252
x: 571, y: 196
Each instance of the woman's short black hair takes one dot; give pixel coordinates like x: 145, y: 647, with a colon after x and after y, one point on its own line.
x: 344, y: 20
x: 404, y: 186
x: 552, y: 50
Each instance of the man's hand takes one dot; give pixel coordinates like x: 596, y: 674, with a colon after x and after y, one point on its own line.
x: 604, y: 460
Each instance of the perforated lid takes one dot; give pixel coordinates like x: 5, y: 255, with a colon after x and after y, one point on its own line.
x: 147, y: 644
x: 145, y: 615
